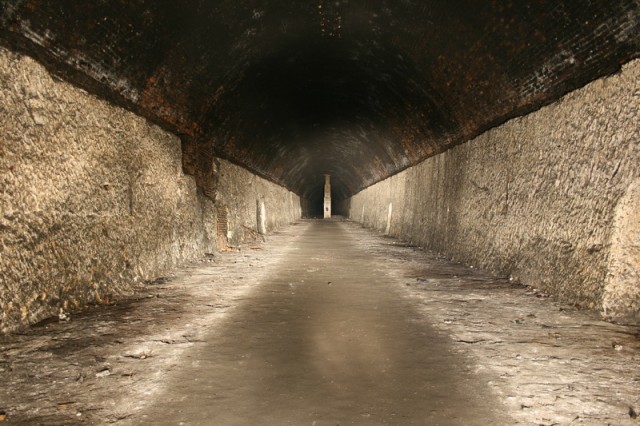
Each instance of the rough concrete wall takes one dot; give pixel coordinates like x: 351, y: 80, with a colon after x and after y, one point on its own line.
x: 540, y: 198
x: 93, y: 198
x: 622, y: 290
x: 254, y: 205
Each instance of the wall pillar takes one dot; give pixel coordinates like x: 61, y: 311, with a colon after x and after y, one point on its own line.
x: 327, y: 197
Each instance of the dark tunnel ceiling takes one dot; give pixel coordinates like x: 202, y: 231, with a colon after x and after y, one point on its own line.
x: 358, y: 89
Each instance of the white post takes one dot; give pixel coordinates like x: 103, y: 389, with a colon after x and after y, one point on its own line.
x: 388, y: 229
x: 327, y: 197
x: 262, y: 217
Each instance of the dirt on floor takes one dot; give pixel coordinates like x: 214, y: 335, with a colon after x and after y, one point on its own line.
x: 540, y: 362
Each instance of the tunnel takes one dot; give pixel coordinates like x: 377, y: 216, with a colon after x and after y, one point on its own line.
x: 412, y: 205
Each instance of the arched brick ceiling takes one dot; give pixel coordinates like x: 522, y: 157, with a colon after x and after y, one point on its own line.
x: 359, y: 89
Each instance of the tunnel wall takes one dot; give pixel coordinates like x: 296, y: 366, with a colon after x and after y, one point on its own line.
x: 547, y: 198
x: 93, y: 198
x: 254, y: 206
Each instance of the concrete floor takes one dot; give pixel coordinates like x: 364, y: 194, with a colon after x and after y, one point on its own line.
x: 325, y: 341
x: 326, y: 324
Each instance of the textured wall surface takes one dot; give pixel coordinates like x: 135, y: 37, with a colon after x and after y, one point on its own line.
x: 253, y: 204
x: 547, y: 198
x: 93, y: 198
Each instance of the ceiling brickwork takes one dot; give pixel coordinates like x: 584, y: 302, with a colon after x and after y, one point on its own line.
x: 293, y: 90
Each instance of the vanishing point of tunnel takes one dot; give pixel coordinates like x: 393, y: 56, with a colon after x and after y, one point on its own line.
x: 319, y: 212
